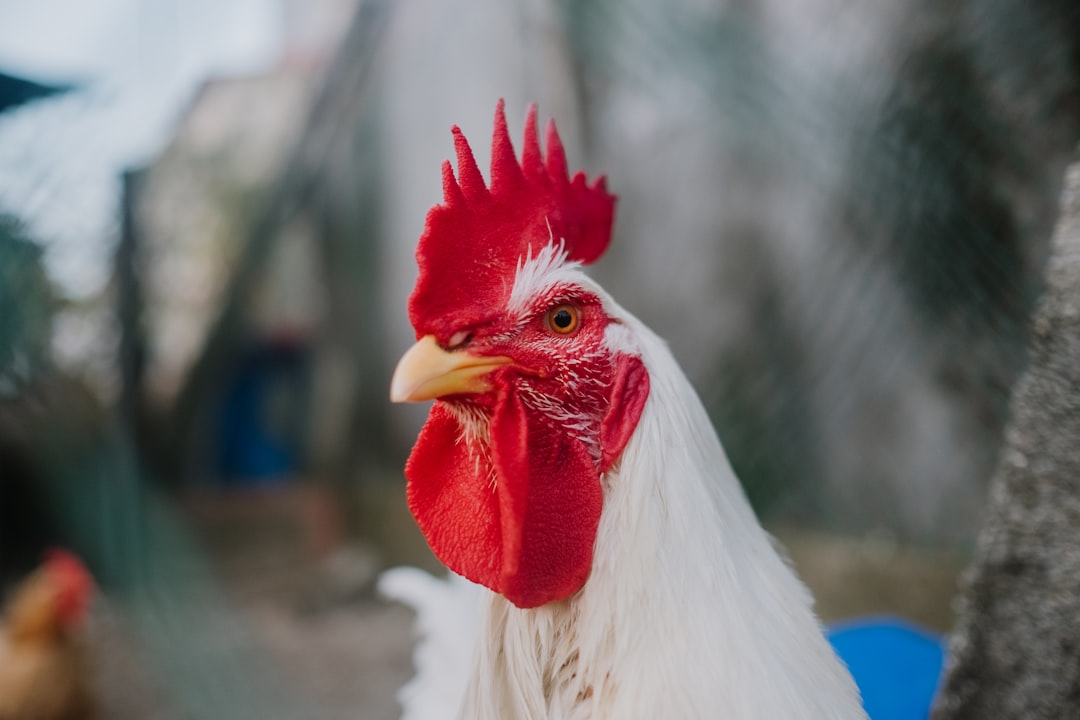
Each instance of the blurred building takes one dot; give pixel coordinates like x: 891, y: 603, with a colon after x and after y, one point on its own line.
x: 232, y: 292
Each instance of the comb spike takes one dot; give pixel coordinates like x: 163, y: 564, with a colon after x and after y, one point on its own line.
x: 531, y: 161
x: 506, y: 174
x: 556, y: 155
x: 477, y: 238
x: 470, y: 180
x: 451, y: 191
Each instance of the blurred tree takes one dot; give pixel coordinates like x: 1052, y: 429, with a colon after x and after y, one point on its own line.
x: 953, y: 186
x: 26, y: 307
x: 873, y: 198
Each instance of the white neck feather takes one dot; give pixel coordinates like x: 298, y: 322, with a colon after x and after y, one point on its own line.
x: 689, y: 611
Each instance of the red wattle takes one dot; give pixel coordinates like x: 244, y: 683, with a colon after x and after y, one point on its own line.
x: 550, y: 500
x: 451, y: 494
x: 522, y: 522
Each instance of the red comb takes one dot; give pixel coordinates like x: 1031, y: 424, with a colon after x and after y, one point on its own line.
x: 74, y: 582
x: 472, y: 242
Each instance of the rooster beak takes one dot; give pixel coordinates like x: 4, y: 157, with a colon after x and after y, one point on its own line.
x: 426, y: 372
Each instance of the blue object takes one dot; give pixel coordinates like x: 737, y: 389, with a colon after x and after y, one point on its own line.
x: 262, y: 419
x: 897, y: 665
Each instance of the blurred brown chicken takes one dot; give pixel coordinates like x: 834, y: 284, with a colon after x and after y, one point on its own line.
x: 42, y: 670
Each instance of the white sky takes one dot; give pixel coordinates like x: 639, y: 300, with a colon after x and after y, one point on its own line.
x: 137, y: 62
x: 71, y: 39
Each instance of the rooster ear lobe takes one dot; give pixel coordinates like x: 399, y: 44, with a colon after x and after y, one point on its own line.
x: 625, y: 405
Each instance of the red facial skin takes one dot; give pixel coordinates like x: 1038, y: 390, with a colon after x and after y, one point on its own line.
x: 507, y: 485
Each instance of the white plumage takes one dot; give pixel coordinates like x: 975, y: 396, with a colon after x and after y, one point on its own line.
x: 689, y: 611
x: 447, y: 628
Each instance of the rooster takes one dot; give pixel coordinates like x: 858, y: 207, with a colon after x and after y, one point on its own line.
x: 42, y: 676
x: 569, y: 469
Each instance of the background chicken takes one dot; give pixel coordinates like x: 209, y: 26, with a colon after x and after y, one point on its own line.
x: 569, y: 467
x: 42, y: 672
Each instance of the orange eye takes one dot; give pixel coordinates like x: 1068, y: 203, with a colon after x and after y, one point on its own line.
x: 563, y: 319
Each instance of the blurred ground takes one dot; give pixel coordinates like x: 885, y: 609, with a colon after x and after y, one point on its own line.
x: 347, y: 653
x: 344, y: 651
x: 854, y: 576
x: 347, y: 661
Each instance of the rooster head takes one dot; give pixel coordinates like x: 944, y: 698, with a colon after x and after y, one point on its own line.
x: 536, y: 388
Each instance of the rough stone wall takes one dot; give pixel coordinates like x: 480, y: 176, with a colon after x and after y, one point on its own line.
x: 1016, y: 650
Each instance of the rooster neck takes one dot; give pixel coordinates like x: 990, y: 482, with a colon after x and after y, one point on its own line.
x: 689, y: 610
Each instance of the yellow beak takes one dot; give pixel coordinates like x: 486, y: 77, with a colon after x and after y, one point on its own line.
x: 426, y: 372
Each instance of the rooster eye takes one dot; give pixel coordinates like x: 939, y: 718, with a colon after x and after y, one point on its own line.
x: 563, y: 319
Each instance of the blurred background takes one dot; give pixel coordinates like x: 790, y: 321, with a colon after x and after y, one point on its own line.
x: 836, y: 212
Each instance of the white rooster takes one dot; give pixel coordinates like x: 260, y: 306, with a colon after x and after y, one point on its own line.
x: 568, y: 467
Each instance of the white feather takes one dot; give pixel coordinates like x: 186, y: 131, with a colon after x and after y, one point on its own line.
x: 689, y: 611
x: 447, y: 628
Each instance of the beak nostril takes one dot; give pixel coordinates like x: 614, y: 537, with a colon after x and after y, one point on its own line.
x: 459, y: 339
